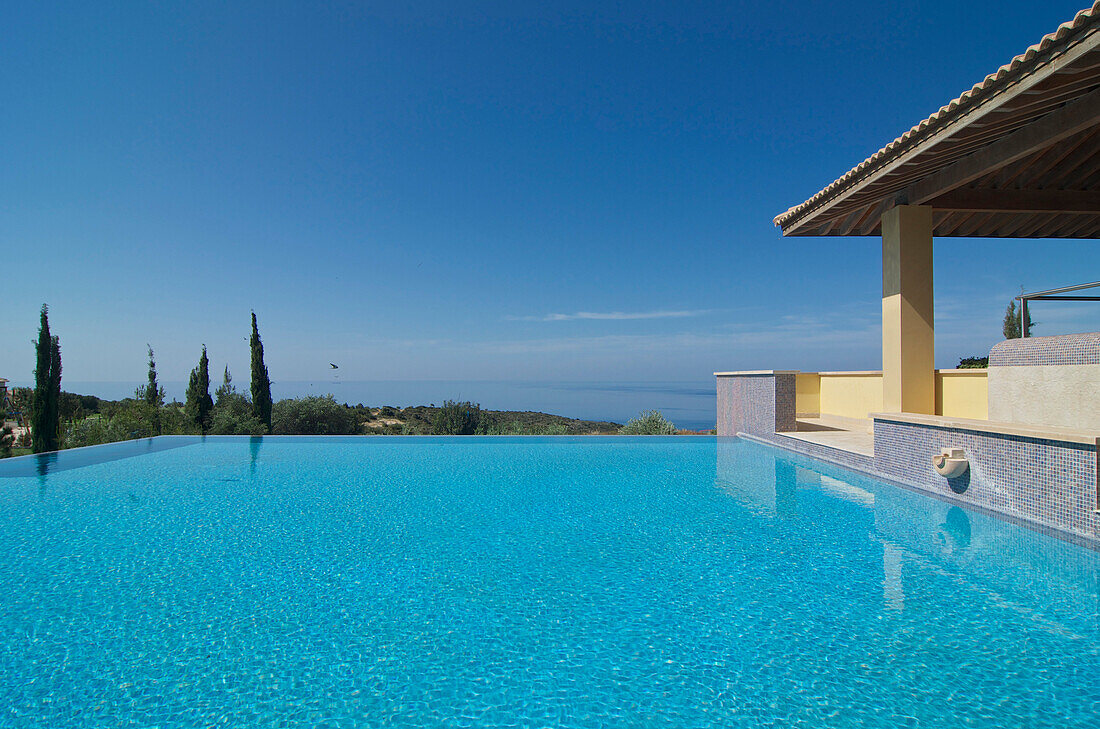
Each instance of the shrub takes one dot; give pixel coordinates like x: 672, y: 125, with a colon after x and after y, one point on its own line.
x: 233, y: 415
x: 516, y: 427
x: 126, y: 420
x: 313, y: 415
x: 7, y: 437
x: 650, y: 422
x: 973, y: 363
x: 456, y: 418
x: 92, y: 430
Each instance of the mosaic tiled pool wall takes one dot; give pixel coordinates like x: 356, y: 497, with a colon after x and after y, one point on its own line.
x: 757, y: 403
x: 1050, y: 482
x: 1065, y: 349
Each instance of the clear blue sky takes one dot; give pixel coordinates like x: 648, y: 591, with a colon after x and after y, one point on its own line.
x: 504, y: 190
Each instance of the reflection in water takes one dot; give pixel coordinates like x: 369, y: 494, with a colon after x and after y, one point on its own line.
x: 908, y: 535
x: 893, y: 590
x: 254, y: 444
x: 742, y: 478
x: 46, y: 463
x: 42, y: 463
x: 786, y: 489
x: 954, y: 533
x: 846, y: 491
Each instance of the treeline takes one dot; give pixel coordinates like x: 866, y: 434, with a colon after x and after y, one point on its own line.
x: 64, y: 420
x: 60, y: 419
x: 88, y: 420
x: 467, y: 418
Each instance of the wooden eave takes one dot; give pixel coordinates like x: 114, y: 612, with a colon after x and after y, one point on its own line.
x: 1016, y: 156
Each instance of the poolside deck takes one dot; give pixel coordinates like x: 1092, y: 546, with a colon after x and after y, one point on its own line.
x: 853, y: 436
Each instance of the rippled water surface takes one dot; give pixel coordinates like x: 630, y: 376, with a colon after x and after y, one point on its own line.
x: 680, y: 582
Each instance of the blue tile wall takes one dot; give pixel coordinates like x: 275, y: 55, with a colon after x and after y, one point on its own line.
x: 1049, y: 482
x: 1068, y: 349
x: 757, y: 404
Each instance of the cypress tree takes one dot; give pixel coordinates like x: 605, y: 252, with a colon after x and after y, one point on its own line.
x: 1013, y: 324
x: 55, y: 389
x: 1010, y: 327
x: 45, y: 426
x: 261, y: 382
x: 199, y: 403
x: 226, y: 388
x: 154, y: 395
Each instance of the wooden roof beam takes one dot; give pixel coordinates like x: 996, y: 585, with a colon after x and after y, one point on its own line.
x: 1071, y: 119
x: 1019, y: 201
x: 1076, y: 226
x: 1051, y: 159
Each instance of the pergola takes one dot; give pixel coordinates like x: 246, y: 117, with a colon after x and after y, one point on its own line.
x: 1016, y: 156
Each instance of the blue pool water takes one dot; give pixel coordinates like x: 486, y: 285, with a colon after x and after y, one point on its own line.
x: 485, y: 582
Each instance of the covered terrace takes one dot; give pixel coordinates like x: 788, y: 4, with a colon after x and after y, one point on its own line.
x: 1015, y: 156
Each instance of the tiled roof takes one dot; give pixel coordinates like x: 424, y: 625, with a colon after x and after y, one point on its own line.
x: 1034, y: 57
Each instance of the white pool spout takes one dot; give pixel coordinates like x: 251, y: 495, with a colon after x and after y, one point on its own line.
x: 950, y: 463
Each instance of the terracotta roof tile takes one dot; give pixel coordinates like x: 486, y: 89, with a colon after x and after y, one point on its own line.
x: 1034, y: 57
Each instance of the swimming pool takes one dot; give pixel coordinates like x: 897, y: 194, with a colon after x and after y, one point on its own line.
x: 484, y: 582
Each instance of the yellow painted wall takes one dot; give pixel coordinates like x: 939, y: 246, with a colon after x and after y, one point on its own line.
x: 962, y: 394
x: 851, y: 394
x: 807, y: 393
x: 959, y: 393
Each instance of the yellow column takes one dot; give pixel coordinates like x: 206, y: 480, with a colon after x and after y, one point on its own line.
x: 908, y: 349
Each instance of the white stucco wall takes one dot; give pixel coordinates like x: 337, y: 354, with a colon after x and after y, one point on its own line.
x: 1061, y: 395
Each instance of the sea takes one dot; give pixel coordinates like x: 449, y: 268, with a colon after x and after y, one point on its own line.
x: 690, y: 404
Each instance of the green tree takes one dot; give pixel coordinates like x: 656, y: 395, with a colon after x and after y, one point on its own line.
x: 199, y: 403
x: 233, y: 415
x: 261, y: 382
x: 225, y: 389
x: 45, y: 425
x: 55, y: 388
x: 153, y: 393
x: 1012, y: 325
x: 7, y: 439
x: 7, y: 435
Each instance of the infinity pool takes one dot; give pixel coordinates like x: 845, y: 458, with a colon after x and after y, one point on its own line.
x: 493, y: 582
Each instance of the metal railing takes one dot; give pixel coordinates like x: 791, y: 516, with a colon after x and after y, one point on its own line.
x: 1051, y: 295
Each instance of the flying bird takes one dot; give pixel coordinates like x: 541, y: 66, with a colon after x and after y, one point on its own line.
x: 330, y: 364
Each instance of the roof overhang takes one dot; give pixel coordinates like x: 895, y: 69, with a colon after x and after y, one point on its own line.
x: 1016, y: 156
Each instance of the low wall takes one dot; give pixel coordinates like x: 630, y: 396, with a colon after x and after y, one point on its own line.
x: 851, y: 394
x: 1046, y: 476
x: 755, y: 402
x: 962, y: 394
x: 1051, y: 381
x: 807, y: 394
x: 959, y: 394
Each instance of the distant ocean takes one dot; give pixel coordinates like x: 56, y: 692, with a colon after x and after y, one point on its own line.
x: 689, y: 404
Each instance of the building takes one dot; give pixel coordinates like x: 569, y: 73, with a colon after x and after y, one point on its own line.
x: 1016, y: 156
